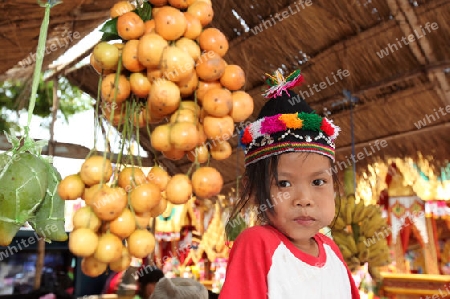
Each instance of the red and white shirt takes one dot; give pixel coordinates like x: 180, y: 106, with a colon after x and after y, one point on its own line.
x: 263, y: 264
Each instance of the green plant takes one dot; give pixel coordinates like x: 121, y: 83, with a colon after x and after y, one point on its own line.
x: 72, y: 100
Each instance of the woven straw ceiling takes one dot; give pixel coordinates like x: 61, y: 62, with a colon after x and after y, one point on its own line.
x: 410, y: 83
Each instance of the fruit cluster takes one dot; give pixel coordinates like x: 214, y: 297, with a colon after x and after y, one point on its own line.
x: 359, y: 230
x: 167, y: 73
x: 119, y: 207
x: 170, y: 69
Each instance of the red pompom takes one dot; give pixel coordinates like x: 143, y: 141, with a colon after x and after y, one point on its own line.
x: 326, y: 127
x: 246, y: 137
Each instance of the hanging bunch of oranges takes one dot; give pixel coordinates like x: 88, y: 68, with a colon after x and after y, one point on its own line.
x: 172, y: 68
x: 161, y: 69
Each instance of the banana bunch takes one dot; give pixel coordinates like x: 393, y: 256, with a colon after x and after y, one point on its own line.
x: 360, y: 231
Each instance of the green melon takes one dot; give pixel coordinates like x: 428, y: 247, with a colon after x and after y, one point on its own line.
x: 48, y: 221
x: 23, y: 184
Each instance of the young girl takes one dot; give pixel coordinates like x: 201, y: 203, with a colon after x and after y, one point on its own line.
x: 289, y: 151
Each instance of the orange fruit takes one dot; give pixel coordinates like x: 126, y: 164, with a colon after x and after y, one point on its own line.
x: 130, y: 58
x: 159, y: 177
x: 202, y: 11
x: 179, y: 189
x: 123, y: 263
x: 189, y: 46
x: 92, y: 267
x: 220, y: 150
x: 108, y: 203
x: 201, y: 152
x: 142, y: 219
x: 201, y: 135
x: 150, y: 50
x: 85, y: 217
x: 210, y: 66
x: 206, y: 1
x: 190, y: 105
x: 218, y: 102
x: 242, y: 106
x: 157, y: 3
x: 173, y: 154
x: 149, y: 26
x: 109, y: 90
x: 160, y: 208
x: 130, y: 177
x: 183, y: 136
x: 206, y: 182
x: 184, y: 115
x: 154, y: 74
x: 160, y: 138
x: 193, y: 26
x: 97, y: 67
x: 83, y: 242
x: 118, y: 116
x: 90, y: 192
x: 109, y: 248
x: 96, y: 169
x: 170, y: 23
x: 188, y: 85
x: 140, y: 85
x: 218, y: 128
x: 106, y: 56
x: 124, y: 225
x: 204, y: 86
x: 176, y: 64
x: 145, y: 197
x: 141, y: 243
x: 120, y: 8
x: 180, y: 4
x: 164, y: 97
x: 71, y: 187
x: 233, y: 77
x: 212, y: 39
x: 130, y: 26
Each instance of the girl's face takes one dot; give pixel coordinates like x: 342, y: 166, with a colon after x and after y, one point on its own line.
x: 303, y: 197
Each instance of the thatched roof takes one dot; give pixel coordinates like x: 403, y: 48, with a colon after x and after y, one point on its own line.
x: 409, y: 84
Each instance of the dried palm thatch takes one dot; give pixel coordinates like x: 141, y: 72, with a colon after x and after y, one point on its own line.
x: 393, y: 54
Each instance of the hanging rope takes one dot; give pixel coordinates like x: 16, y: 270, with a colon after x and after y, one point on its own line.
x: 350, y: 98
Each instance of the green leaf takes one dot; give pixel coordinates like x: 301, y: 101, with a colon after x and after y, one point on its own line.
x: 109, y: 30
x: 145, y: 12
x: 109, y: 36
x: 110, y: 26
x: 13, y: 140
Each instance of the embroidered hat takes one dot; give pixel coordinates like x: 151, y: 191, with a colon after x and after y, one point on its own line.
x: 179, y: 288
x: 287, y: 123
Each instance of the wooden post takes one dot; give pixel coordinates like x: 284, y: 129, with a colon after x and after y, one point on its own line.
x: 429, y: 250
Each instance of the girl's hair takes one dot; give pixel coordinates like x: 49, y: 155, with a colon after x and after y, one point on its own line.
x: 256, y: 182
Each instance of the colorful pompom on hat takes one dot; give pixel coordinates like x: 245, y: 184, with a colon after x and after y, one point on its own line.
x: 287, y: 123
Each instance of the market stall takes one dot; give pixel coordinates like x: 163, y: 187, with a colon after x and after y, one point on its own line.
x: 389, y: 109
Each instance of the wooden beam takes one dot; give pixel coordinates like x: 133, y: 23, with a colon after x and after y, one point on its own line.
x: 72, y: 151
x: 405, y: 134
x: 420, y: 46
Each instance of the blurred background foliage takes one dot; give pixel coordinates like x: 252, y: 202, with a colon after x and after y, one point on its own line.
x: 14, y: 99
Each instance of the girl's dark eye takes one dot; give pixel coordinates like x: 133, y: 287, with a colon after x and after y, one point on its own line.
x: 283, y: 184
x: 318, y: 182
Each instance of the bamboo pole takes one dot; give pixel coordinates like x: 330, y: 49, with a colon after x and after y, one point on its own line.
x: 41, y: 242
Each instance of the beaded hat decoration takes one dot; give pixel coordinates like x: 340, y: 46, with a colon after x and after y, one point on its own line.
x: 287, y: 123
